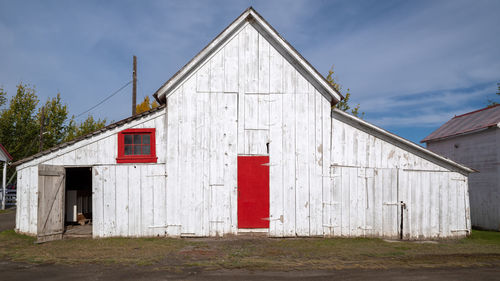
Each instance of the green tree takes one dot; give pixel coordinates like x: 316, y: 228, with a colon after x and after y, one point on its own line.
x: 55, y: 115
x: 89, y: 125
x: 19, y: 127
x: 343, y: 104
x: 3, y: 97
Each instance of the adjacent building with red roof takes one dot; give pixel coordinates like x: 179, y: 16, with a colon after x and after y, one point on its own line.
x: 473, y: 139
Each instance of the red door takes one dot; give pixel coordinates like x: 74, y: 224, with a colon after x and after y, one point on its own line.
x: 253, y: 192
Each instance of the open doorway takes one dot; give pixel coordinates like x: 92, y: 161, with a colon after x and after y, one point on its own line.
x: 78, y: 202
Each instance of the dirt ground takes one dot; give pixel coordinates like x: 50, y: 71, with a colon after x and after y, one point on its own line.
x: 23, y: 271
x: 475, y: 258
x: 7, y: 219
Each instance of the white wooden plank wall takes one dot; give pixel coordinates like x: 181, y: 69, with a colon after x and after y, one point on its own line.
x: 326, y: 177
x: 131, y: 206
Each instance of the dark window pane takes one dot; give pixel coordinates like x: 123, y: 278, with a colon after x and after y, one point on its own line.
x: 145, y: 139
x: 137, y: 150
x: 128, y: 150
x: 137, y: 139
x: 145, y: 150
x: 128, y: 139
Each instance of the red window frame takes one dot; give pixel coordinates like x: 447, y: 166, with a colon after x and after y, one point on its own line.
x: 151, y: 158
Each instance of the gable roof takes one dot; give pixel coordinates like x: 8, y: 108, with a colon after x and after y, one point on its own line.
x: 5, y: 152
x: 400, y: 142
x: 263, y: 27
x: 467, y: 123
x: 95, y: 133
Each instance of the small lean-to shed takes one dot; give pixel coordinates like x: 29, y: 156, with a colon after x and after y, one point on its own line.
x: 246, y: 140
x: 473, y: 139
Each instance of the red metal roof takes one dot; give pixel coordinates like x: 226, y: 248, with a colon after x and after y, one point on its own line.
x: 5, y: 151
x: 468, y: 122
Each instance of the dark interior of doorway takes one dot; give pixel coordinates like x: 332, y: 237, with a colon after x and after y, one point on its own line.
x: 78, y: 202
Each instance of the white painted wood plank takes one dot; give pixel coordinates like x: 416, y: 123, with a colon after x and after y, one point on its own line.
x: 276, y: 187
x: 251, y: 49
x: 134, y: 200
x: 301, y: 165
x: 205, y: 185
x: 289, y: 78
x: 203, y: 78
x: 263, y: 115
x: 346, y: 202
x: 172, y: 185
x: 230, y: 159
x: 353, y: 196
x: 216, y: 159
x: 251, y: 110
x: 263, y: 65
x: 289, y: 164
x: 97, y: 202
x: 275, y: 71
x: 109, y: 211
x: 159, y: 202
x: 231, y: 66
x: 147, y: 200
x: 217, y: 72
x: 434, y: 204
x: 378, y: 198
x: 122, y: 213
x: 241, y: 91
x: 315, y: 164
x: 335, y: 219
x: 33, y: 200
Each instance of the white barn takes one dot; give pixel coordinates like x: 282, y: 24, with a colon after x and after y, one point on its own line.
x: 245, y: 140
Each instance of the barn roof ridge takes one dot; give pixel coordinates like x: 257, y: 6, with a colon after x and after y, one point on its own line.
x: 86, y: 136
x: 415, y: 147
x: 467, y: 123
x: 249, y: 15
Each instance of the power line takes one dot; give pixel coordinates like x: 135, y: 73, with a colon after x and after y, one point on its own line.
x: 107, y: 98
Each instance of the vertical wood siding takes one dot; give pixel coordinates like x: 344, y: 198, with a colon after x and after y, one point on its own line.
x: 327, y: 178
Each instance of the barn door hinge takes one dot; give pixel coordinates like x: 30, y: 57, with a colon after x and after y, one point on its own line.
x: 365, y: 228
x: 330, y: 226
x: 274, y: 219
x: 269, y: 164
x: 391, y: 203
x: 457, y: 179
x: 162, y: 175
x: 459, y: 230
x: 331, y: 203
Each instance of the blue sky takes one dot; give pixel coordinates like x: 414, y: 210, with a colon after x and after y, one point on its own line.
x: 411, y: 65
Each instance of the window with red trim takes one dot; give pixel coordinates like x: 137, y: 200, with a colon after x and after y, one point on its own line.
x: 136, y: 146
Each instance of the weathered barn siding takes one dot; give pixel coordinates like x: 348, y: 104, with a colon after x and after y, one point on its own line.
x: 330, y: 175
x: 99, y: 152
x: 481, y: 151
x: 371, y: 176
x: 318, y: 164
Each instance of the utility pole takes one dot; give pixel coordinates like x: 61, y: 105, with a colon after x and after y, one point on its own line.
x: 42, y: 122
x: 134, y: 86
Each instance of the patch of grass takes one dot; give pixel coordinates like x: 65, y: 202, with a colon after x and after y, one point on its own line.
x: 482, y: 248
x: 5, y: 211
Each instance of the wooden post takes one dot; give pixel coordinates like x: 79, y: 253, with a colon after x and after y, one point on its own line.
x: 4, y: 176
x: 134, y: 86
x: 42, y: 122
